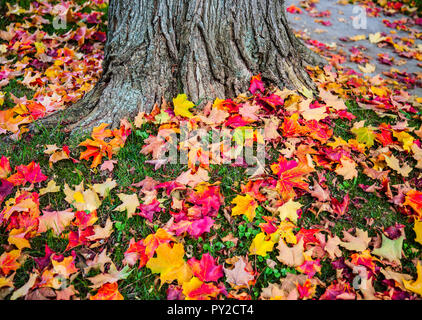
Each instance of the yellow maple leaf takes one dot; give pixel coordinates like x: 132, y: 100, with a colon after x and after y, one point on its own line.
x: 285, y: 231
x: 82, y: 199
x: 358, y: 37
x: 418, y: 230
x: 2, y: 94
x: 191, y: 285
x: 17, y: 237
x: 66, y: 267
x: 182, y: 106
x: 78, y: 197
x: 415, y: 286
x: 244, y: 205
x: 289, y: 210
x: 379, y: 91
x: 130, y: 203
x: 405, y: 138
x: 51, y: 188
x: 170, y: 264
x: 260, y: 246
x: 376, y: 37
x: 394, y: 164
x: 368, y: 68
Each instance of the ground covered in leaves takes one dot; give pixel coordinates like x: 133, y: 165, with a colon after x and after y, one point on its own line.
x: 334, y: 211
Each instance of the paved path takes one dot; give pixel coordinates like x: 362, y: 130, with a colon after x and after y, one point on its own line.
x: 342, y: 26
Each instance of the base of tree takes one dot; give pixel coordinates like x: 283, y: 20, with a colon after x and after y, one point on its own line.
x: 207, y: 49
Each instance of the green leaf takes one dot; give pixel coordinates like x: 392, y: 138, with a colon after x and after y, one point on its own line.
x: 364, y: 135
x: 390, y: 249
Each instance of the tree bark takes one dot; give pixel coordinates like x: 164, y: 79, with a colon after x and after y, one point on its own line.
x: 204, y: 48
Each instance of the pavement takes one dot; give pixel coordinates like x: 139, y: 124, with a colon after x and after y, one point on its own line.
x: 341, y: 18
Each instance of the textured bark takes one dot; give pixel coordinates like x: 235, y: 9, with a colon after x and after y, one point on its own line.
x: 204, y: 48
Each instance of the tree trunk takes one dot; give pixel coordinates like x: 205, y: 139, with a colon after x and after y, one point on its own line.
x: 204, y: 48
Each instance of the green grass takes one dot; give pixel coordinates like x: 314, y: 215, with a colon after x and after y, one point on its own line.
x: 131, y: 168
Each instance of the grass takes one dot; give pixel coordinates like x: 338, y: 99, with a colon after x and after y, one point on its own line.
x: 131, y: 168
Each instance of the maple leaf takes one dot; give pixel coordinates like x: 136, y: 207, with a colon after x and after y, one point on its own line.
x: 6, y: 188
x: 414, y: 200
x: 182, y: 106
x: 5, y: 169
x: 23, y: 291
x: 293, y: 9
x: 195, y: 289
x: 102, y: 233
x: 314, y: 114
x: 18, y: 238
x: 293, y: 256
x: 289, y: 211
x: 291, y: 126
x: 100, y: 132
x: 193, y: 178
x: 7, y: 283
x: 331, y: 247
x: 108, y: 291
x: 30, y: 173
x: 130, y: 203
x: 84, y: 219
x: 332, y: 100
x: 145, y: 248
x: 271, y: 127
x: 418, y: 230
x: 65, y: 267
x: 309, y: 267
x: 112, y: 276
x: 195, y: 228
x: 291, y: 175
x: 394, y: 164
x: 55, y: 220
x: 256, y: 84
x: 339, y: 290
x: 216, y: 117
x: 82, y: 200
x: 148, y: 210
x: 108, y: 165
x: 104, y: 189
x: 397, y: 277
x: 239, y: 276
x: 364, y: 135
x: 340, y: 208
x: 260, y: 246
x: 390, y: 249
x: 9, y: 261
x: 415, y: 286
x: 52, y: 187
x: 405, y: 138
x: 273, y: 292
x: 320, y: 193
x: 347, y: 169
x: 368, y: 68
x: 285, y: 231
x: 376, y: 37
x: 66, y: 294
x: 249, y: 111
x: 56, y: 154
x: 206, y: 269
x: 169, y: 263
x: 244, y: 205
x: 96, y: 149
x: 99, y: 262
x: 359, y: 242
